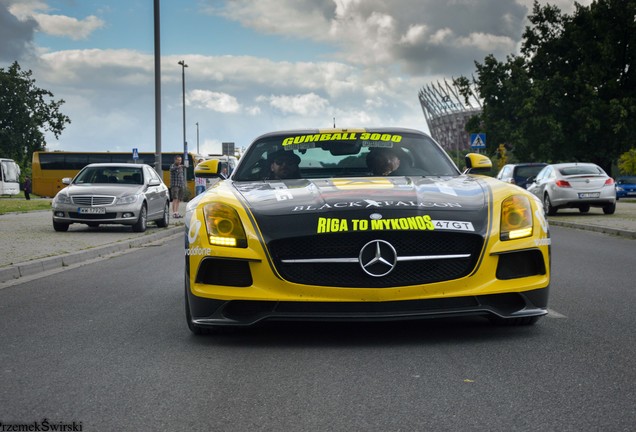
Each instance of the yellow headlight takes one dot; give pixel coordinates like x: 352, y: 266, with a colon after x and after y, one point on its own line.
x: 516, y: 218
x: 224, y: 226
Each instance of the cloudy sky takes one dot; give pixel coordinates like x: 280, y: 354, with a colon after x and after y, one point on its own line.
x: 254, y: 66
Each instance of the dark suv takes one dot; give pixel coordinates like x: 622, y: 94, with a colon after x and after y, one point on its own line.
x: 519, y: 173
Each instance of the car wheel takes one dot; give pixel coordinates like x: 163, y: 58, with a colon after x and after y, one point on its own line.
x: 521, y: 321
x: 140, y: 225
x: 609, y: 209
x: 584, y: 208
x: 165, y: 219
x: 60, y: 227
x: 547, y: 206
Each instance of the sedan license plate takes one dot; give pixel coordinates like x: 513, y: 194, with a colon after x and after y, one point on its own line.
x: 589, y: 195
x: 91, y: 210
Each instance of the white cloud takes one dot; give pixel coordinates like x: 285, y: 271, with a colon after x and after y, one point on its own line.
x: 305, y: 105
x: 60, y: 25
x: 55, y: 25
x: 214, y: 101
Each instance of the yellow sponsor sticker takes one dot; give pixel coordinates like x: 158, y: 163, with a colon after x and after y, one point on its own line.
x: 413, y: 223
x: 367, y: 138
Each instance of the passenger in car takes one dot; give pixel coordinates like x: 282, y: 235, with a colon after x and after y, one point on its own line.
x: 283, y: 165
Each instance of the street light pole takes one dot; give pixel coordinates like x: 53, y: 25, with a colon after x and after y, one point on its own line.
x: 197, y: 137
x: 185, y: 143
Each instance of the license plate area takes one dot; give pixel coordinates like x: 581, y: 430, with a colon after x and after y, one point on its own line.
x: 91, y: 210
x: 589, y: 194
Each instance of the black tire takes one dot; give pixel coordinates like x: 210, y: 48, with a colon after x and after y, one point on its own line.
x: 142, y: 222
x: 60, y: 226
x: 165, y: 220
x: 514, y: 322
x: 548, y: 208
x: 609, y: 209
x: 584, y: 208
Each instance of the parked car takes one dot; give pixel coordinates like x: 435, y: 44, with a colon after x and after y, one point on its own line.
x: 520, y: 173
x: 625, y: 187
x: 112, y: 193
x: 361, y: 225
x: 574, y: 185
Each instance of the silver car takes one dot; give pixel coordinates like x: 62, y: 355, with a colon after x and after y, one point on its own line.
x: 112, y: 193
x: 574, y: 185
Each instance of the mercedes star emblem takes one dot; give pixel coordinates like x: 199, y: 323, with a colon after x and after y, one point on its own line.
x: 378, y: 258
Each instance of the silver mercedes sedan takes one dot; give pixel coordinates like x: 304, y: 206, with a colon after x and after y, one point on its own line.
x: 574, y: 185
x: 112, y: 193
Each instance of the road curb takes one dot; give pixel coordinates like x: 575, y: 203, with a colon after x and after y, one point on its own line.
x: 595, y: 228
x: 30, y: 268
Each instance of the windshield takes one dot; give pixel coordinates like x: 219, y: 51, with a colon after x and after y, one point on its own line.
x: 343, y: 154
x: 110, y: 175
x: 10, y: 171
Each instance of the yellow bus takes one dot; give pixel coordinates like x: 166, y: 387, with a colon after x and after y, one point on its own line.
x: 49, y: 168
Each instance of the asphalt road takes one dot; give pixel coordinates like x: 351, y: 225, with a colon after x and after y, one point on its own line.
x: 106, y: 345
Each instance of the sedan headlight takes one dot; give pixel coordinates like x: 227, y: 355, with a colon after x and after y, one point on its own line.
x: 62, y: 198
x: 128, y: 199
x: 224, y: 226
x: 516, y: 218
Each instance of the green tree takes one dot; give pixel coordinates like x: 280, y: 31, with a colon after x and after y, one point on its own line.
x: 571, y: 93
x: 27, y: 113
x: 627, y: 162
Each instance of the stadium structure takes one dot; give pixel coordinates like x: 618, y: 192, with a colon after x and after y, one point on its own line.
x: 446, y: 113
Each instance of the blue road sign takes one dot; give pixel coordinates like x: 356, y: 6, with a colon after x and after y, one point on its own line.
x: 478, y: 140
x: 135, y: 154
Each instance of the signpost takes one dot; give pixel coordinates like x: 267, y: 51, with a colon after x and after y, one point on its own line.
x: 135, y: 154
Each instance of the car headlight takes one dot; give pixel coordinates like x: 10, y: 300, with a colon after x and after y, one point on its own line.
x: 128, y: 199
x: 62, y: 198
x: 516, y: 218
x: 224, y: 226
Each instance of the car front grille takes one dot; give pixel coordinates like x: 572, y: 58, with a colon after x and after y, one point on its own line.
x: 93, y: 200
x: 299, y: 259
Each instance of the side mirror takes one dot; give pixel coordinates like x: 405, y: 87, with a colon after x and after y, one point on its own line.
x: 476, y: 163
x: 154, y: 182
x: 66, y: 180
x: 208, y: 169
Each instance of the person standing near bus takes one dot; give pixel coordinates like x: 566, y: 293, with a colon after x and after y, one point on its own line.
x: 199, y: 182
x: 177, y: 185
x: 27, y: 188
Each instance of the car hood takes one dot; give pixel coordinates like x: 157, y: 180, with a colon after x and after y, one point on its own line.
x: 102, y: 189
x: 297, y: 207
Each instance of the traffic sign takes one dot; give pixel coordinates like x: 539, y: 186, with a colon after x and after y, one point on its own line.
x: 478, y: 140
x: 135, y: 154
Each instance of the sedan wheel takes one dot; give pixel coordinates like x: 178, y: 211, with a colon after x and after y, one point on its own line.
x: 165, y: 219
x: 547, y: 206
x: 609, y: 209
x: 59, y: 226
x: 140, y: 225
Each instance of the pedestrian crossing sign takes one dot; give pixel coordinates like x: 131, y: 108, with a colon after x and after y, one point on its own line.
x: 135, y: 154
x: 478, y: 140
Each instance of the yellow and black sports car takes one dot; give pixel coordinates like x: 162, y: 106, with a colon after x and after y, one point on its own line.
x: 364, y: 224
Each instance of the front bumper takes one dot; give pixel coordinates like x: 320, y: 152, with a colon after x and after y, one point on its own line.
x: 114, y: 214
x: 210, y: 312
